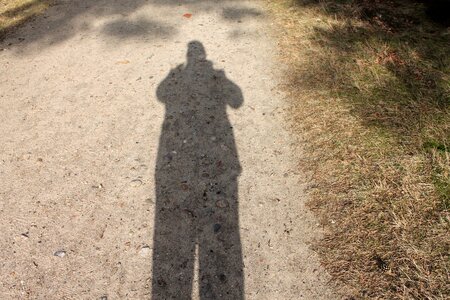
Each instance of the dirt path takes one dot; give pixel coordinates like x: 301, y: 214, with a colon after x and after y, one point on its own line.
x: 103, y: 136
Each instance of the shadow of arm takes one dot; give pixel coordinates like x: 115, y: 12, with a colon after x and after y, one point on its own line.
x: 166, y: 89
x: 231, y: 91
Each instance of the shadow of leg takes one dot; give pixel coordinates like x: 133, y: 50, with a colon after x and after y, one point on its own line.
x: 220, y: 257
x: 173, y: 255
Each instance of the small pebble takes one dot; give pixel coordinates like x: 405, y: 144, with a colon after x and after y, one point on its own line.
x: 136, y: 182
x: 221, y: 203
x: 145, y: 251
x: 60, y: 253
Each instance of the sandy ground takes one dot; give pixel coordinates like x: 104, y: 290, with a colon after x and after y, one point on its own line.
x: 108, y: 128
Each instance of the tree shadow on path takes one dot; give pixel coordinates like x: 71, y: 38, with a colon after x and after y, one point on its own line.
x: 197, y: 173
x: 64, y: 20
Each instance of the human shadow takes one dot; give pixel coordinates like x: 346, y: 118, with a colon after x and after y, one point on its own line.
x: 197, y: 172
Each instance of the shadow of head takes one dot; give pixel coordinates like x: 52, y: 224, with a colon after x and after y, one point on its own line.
x: 196, y: 52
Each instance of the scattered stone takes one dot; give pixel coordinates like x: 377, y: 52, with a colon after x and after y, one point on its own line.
x: 104, y: 297
x: 60, y: 253
x: 136, y: 182
x: 221, y: 204
x: 145, y: 251
x: 161, y: 282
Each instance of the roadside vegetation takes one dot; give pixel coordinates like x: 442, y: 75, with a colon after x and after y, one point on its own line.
x: 369, y: 87
x: 16, y: 12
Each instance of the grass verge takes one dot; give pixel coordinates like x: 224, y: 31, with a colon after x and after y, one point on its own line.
x: 369, y: 86
x: 15, y: 12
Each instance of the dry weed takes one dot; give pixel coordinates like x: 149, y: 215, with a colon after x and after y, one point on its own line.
x: 370, y: 98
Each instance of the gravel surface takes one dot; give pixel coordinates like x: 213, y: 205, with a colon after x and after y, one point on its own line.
x: 148, y: 137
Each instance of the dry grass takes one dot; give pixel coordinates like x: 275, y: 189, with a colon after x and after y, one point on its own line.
x: 370, y: 89
x: 16, y: 12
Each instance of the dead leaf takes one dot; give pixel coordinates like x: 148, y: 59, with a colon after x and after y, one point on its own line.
x: 187, y: 15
